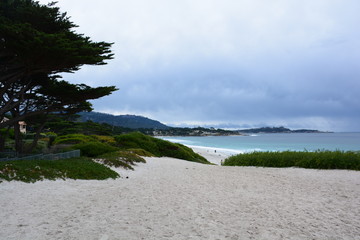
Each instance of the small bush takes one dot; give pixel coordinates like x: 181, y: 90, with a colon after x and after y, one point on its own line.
x: 94, y: 149
x: 318, y: 160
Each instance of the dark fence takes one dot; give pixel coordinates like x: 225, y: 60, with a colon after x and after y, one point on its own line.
x: 51, y: 156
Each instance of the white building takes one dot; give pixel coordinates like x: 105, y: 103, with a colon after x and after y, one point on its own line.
x: 21, y: 123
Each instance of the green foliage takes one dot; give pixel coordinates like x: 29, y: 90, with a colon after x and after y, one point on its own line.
x: 63, y: 127
x: 318, y: 160
x: 158, y: 147
x: 94, y: 149
x: 29, y: 136
x: 141, y: 152
x: 9, y: 133
x: 37, y: 42
x: 90, y: 146
x: 137, y: 140
x: 105, y: 139
x: 41, y: 146
x: 120, y: 159
x: 50, y: 134
x: 37, y: 170
x: 73, y: 139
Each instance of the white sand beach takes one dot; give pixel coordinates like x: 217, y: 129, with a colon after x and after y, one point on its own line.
x: 174, y: 199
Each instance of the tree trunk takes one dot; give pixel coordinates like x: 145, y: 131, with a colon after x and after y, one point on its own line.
x: 2, y: 142
x: 31, y: 147
x: 18, y: 139
x: 4, y: 134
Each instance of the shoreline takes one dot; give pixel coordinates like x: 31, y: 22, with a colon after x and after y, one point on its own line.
x: 213, y: 155
x: 274, y: 142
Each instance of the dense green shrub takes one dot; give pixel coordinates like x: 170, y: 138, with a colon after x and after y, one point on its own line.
x: 177, y: 150
x: 41, y: 146
x: 158, y: 147
x: 29, y: 136
x: 138, y: 140
x: 48, y: 134
x: 318, y: 159
x: 104, y: 139
x: 73, y: 139
x: 94, y: 149
x: 35, y: 170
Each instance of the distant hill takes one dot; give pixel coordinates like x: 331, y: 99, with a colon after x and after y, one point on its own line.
x: 125, y: 121
x: 148, y: 125
x: 277, y: 130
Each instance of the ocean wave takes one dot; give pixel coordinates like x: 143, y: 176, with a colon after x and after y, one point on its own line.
x: 174, y: 140
x: 226, y: 151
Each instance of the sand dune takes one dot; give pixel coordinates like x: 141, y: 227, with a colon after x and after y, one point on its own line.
x: 174, y: 199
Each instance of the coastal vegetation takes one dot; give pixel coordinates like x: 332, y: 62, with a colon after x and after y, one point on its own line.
x: 158, y: 147
x: 98, y: 153
x: 37, y: 170
x: 124, y: 159
x: 318, y: 160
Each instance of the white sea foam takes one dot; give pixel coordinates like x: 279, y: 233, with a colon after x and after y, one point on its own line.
x: 226, y: 151
x: 276, y: 142
x: 175, y: 140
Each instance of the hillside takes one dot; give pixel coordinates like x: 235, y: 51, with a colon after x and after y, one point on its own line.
x: 153, y: 127
x: 125, y: 121
x: 277, y: 130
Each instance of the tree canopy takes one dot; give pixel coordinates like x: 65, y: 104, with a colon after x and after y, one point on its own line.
x: 37, y: 43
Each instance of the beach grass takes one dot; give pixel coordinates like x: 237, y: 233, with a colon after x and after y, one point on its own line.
x: 141, y: 152
x: 320, y: 159
x: 125, y: 159
x: 37, y: 170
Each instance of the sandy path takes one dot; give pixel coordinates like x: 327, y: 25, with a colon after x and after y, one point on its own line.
x: 174, y: 199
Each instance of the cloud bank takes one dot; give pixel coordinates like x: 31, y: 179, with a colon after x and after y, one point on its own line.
x: 240, y: 62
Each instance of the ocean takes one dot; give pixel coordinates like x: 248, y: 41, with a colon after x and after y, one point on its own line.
x: 275, y: 142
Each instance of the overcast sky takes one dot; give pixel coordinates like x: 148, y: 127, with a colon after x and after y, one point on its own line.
x: 243, y: 63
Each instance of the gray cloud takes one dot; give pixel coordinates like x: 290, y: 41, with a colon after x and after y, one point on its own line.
x: 291, y: 63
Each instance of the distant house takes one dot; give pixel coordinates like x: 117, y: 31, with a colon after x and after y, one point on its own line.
x: 21, y: 123
x: 22, y: 127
